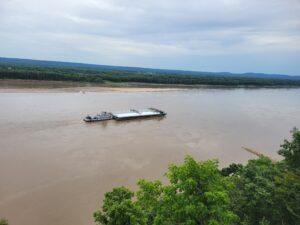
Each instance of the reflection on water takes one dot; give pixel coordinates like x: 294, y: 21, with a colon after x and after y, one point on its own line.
x: 55, y: 169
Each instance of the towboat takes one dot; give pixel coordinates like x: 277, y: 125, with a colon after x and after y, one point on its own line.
x: 99, y: 117
x: 126, y: 115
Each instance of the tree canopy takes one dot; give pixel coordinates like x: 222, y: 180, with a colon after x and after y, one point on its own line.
x: 3, y: 222
x: 198, y: 193
x: 290, y: 150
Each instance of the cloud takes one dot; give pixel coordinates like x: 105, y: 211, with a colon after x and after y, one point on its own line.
x: 136, y: 32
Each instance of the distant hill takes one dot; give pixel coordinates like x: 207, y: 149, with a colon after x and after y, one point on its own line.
x: 44, y: 63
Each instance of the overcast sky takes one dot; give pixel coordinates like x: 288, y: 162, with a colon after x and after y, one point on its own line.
x: 210, y: 35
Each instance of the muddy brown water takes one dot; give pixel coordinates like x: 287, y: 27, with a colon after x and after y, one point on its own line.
x: 55, y: 169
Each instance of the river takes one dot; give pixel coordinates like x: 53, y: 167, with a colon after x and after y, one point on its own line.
x: 55, y: 169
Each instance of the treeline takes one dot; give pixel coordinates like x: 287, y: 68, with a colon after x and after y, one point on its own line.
x: 101, y: 76
x: 260, y: 193
x: 51, y: 74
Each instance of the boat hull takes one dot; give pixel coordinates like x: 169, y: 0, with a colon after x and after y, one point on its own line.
x: 95, y: 120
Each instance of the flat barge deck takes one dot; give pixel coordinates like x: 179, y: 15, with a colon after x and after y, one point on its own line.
x: 126, y: 115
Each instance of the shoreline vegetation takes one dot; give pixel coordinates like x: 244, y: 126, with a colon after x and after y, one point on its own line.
x: 262, y: 192
x: 123, y: 78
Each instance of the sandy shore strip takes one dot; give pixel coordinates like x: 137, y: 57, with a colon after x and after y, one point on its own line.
x: 33, y: 86
x: 84, y: 89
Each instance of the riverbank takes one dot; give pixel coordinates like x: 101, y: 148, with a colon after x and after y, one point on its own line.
x: 126, y: 77
x: 42, y: 86
x: 33, y: 86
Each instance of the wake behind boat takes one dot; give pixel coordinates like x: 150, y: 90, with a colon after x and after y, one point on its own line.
x: 125, y: 115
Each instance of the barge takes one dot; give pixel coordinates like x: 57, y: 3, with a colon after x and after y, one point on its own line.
x: 126, y: 115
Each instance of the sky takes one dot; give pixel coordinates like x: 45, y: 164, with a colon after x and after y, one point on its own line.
x: 202, y: 35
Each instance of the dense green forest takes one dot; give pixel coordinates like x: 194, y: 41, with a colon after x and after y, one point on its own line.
x: 262, y: 192
x: 107, y: 75
x: 3, y: 222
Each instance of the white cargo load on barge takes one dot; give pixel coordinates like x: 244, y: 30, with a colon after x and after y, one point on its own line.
x: 133, y: 113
